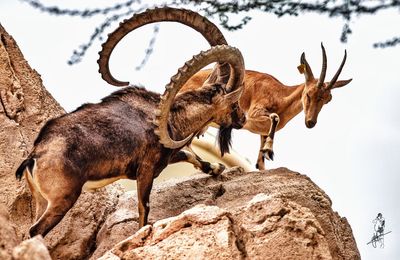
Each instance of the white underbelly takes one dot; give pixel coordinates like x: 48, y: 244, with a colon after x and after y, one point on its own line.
x: 93, y: 185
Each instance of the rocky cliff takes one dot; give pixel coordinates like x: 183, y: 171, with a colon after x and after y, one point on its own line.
x: 25, y: 106
x: 276, y: 214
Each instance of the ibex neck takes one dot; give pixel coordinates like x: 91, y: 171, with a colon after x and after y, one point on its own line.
x: 189, y: 120
x: 292, y: 103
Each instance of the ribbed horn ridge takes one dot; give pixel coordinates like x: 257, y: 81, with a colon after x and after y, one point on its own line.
x: 335, y: 78
x: 321, y: 79
x: 221, y: 53
x: 192, y: 19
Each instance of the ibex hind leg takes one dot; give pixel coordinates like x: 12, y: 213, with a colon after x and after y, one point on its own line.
x: 60, y: 196
x: 267, y: 142
x: 57, y: 207
x: 260, y: 159
x: 267, y: 149
x: 41, y: 202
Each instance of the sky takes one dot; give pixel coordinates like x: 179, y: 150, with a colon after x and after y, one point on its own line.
x: 353, y: 153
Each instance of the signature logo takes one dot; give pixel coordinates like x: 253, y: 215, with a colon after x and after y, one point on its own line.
x: 379, y: 232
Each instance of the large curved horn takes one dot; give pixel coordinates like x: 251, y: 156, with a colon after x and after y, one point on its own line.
x: 307, y: 69
x: 321, y: 79
x: 212, y: 34
x: 335, y: 78
x: 221, y: 53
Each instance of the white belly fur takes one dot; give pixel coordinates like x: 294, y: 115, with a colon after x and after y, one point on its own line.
x: 93, y: 185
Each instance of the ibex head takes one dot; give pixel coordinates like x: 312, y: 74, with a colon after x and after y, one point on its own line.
x: 222, y: 96
x: 317, y: 92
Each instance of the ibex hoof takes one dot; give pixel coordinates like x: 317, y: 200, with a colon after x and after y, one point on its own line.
x: 216, y: 168
x: 33, y: 231
x: 268, y: 154
x: 260, y: 167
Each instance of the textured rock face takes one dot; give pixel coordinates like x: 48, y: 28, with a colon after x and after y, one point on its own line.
x: 119, y: 225
x: 276, y: 214
x: 274, y: 228
x: 8, y: 235
x: 74, y: 237
x: 265, y: 228
x: 203, y: 232
x: 25, y: 106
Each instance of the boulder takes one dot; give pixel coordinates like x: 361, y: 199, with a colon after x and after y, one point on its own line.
x: 264, y: 228
x: 75, y: 236
x: 202, y: 232
x: 33, y: 248
x: 275, y: 214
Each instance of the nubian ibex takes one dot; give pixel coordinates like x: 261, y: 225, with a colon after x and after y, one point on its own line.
x: 130, y: 134
x: 269, y: 105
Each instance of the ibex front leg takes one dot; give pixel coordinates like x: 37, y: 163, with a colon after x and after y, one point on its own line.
x: 267, y: 142
x: 145, y: 175
x: 188, y: 155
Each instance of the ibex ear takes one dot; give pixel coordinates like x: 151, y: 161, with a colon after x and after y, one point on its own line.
x: 341, y: 83
x: 234, y: 96
x: 301, y: 68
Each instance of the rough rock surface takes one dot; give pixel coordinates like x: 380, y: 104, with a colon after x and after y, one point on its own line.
x: 202, y: 232
x: 8, y: 234
x: 275, y: 214
x: 74, y: 237
x: 25, y: 106
x: 33, y: 248
x: 119, y: 225
x: 259, y: 230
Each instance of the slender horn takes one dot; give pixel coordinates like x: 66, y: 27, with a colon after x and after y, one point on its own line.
x: 221, y: 53
x: 321, y: 79
x: 307, y: 72
x: 209, y: 31
x: 335, y: 78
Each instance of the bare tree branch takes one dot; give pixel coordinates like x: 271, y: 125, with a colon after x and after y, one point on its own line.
x: 223, y: 11
x: 82, y: 13
x: 388, y: 43
x: 150, y: 48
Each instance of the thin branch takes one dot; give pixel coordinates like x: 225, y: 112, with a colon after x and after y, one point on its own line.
x: 389, y: 43
x: 223, y: 10
x: 150, y: 47
x: 77, y: 54
x: 82, y: 13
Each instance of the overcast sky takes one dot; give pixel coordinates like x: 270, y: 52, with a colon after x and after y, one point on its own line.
x: 353, y: 153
